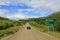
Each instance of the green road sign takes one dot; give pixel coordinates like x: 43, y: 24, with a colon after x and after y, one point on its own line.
x: 50, y: 22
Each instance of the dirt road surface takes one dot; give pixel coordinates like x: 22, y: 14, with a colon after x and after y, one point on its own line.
x: 32, y: 34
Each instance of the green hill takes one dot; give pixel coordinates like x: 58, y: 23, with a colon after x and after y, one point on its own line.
x: 57, y: 17
x: 5, y: 23
x: 8, y: 26
x: 41, y: 20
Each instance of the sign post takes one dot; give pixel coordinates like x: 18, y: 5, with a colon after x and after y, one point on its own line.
x: 50, y: 22
x: 48, y: 30
x: 53, y: 28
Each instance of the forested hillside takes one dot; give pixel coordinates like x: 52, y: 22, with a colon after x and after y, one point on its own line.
x: 57, y: 17
x: 41, y: 21
x: 8, y: 27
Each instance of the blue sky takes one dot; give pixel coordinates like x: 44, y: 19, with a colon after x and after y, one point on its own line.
x: 23, y: 9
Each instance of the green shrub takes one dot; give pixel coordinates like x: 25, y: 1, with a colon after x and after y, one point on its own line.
x: 1, y: 33
x: 33, y: 23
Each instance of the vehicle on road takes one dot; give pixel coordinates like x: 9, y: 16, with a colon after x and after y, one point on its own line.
x: 28, y: 27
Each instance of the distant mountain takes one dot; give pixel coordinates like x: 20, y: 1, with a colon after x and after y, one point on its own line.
x: 2, y: 18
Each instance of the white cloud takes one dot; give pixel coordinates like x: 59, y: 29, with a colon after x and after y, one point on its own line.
x: 15, y: 16
x: 36, y: 5
x: 20, y: 16
x: 50, y: 4
x: 3, y: 12
x: 25, y: 10
x: 5, y: 2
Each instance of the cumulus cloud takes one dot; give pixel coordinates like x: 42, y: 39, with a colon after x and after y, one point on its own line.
x: 4, y: 2
x: 3, y: 12
x: 50, y: 4
x: 20, y: 15
x: 40, y: 7
x: 15, y: 16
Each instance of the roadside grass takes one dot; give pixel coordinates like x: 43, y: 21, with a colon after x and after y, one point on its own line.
x: 55, y: 33
x: 9, y: 31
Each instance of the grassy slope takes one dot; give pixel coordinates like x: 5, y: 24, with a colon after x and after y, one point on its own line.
x: 6, y: 28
